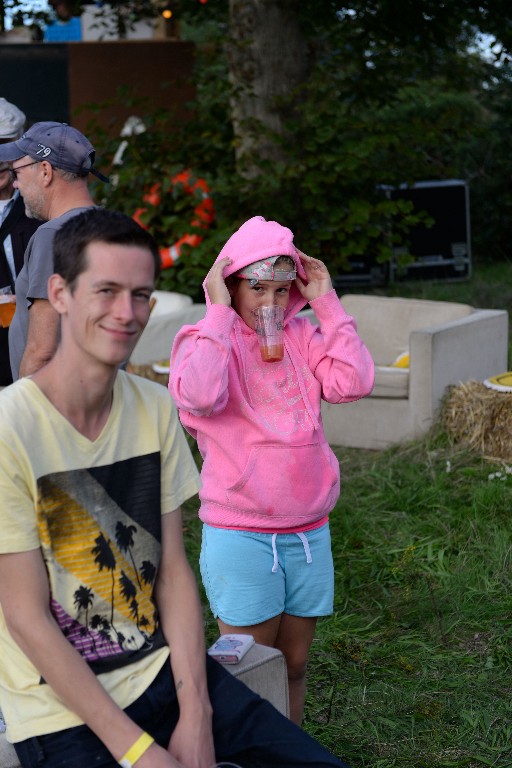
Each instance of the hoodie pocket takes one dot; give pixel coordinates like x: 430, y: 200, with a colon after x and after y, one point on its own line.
x: 283, y: 481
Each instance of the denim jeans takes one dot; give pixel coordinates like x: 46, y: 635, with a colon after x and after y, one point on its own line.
x: 247, y: 730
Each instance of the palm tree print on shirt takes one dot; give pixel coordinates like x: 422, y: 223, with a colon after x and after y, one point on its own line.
x: 102, y: 563
x: 124, y: 540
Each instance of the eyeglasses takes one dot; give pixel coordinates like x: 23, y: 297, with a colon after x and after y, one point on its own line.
x: 14, y: 171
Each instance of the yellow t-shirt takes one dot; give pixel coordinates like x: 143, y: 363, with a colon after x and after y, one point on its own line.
x: 94, y: 508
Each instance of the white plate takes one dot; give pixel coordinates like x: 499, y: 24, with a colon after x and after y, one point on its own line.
x: 161, y: 367
x: 501, y: 383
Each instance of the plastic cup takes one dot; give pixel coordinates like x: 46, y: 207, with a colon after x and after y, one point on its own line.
x: 7, y: 308
x: 270, y: 330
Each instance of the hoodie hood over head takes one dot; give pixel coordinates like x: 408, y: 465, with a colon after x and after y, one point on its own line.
x: 259, y: 239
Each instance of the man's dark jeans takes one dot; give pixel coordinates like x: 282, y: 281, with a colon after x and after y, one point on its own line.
x: 247, y: 730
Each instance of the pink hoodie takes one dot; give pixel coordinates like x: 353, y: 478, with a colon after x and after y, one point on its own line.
x: 266, y: 463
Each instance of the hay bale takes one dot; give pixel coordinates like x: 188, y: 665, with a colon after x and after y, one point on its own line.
x: 480, y: 418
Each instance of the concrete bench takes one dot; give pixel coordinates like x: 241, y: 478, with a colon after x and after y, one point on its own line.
x: 444, y: 343
x: 262, y: 669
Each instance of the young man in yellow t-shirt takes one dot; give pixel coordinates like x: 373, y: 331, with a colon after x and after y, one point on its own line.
x: 102, y: 657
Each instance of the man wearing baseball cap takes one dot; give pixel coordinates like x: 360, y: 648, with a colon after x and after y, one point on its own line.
x: 16, y: 228
x: 51, y: 163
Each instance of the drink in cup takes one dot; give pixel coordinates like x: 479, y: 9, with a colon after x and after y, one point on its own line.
x: 270, y: 330
x: 7, y: 307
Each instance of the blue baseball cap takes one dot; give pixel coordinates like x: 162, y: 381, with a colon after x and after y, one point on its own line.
x: 61, y: 145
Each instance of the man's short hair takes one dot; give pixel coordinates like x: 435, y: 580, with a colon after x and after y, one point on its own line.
x: 97, y: 225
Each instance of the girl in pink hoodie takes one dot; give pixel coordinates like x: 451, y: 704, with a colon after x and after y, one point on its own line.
x: 269, y: 477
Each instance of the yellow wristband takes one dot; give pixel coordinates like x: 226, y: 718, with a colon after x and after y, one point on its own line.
x: 136, y: 751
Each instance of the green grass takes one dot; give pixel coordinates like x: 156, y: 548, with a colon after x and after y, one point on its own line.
x: 414, y: 668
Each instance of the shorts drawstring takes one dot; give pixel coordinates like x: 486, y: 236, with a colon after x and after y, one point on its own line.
x: 305, y: 544
x: 274, y: 552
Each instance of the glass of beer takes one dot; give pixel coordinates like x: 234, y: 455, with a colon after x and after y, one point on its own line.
x: 270, y: 330
x: 7, y: 307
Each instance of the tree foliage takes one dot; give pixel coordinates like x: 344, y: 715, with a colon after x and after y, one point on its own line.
x: 393, y: 94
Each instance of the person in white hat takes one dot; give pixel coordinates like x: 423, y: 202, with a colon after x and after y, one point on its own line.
x: 12, y: 120
x: 16, y: 228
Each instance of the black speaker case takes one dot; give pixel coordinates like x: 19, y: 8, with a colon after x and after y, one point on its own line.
x: 441, y: 252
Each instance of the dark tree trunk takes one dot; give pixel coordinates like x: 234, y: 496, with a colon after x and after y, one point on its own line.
x: 268, y: 58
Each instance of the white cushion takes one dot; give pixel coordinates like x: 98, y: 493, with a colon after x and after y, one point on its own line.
x: 391, y: 381
x: 385, y: 323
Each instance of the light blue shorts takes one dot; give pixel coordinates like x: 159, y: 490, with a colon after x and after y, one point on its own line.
x: 252, y: 577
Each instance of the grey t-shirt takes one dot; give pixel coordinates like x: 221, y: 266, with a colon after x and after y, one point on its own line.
x: 32, y: 283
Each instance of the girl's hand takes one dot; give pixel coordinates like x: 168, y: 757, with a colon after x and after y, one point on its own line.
x: 319, y: 281
x: 215, y: 284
